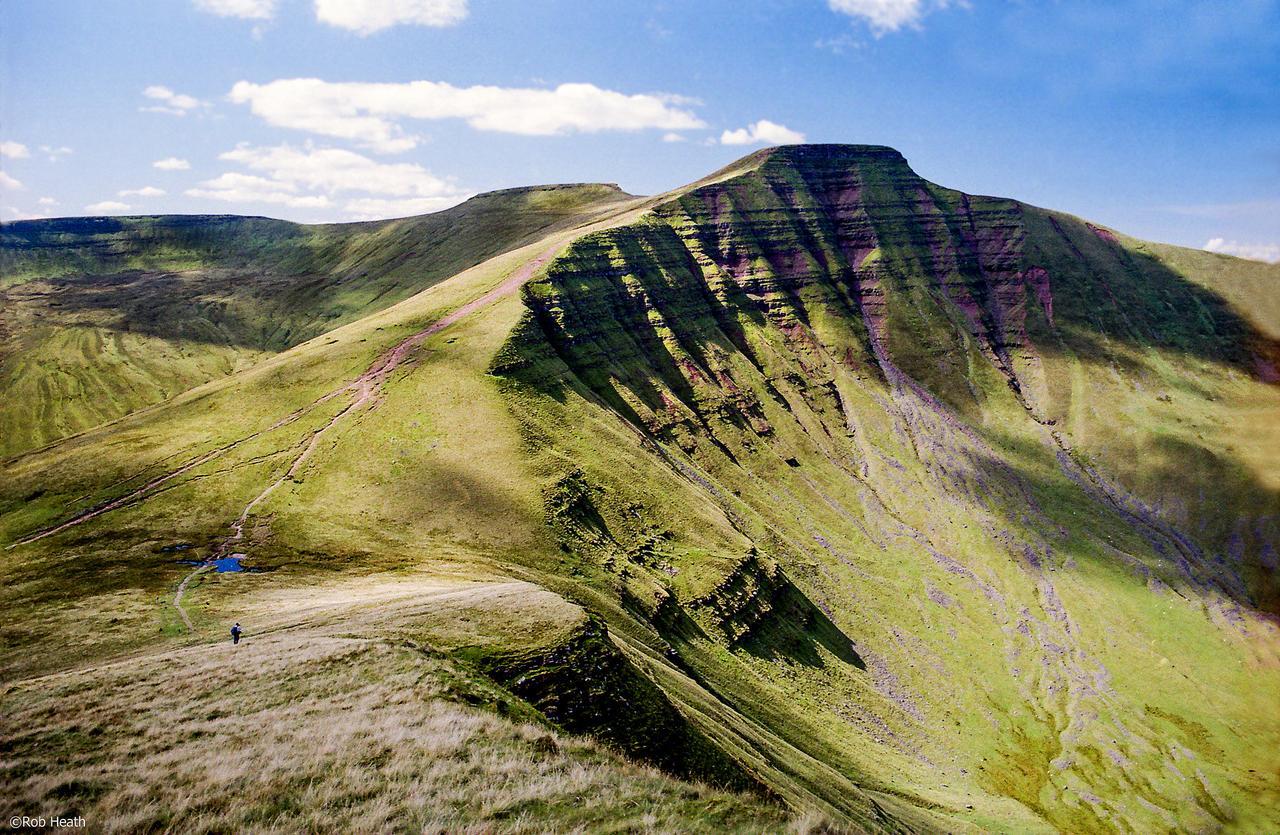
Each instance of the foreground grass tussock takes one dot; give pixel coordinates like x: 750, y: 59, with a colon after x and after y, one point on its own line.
x: 311, y: 732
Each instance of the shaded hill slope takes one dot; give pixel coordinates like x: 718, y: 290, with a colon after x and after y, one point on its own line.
x: 100, y: 316
x: 912, y: 509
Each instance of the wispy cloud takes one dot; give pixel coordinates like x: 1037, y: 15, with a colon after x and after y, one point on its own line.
x: 145, y: 191
x: 246, y: 9
x: 313, y: 177
x: 14, y: 150
x: 839, y: 44
x: 55, y: 153
x: 888, y: 15
x: 371, y: 113
x: 336, y: 170
x: 107, y: 207
x: 377, y: 208
x: 762, y: 132
x: 234, y: 187
x: 171, y: 164
x: 175, y: 104
x: 365, y: 17
x: 8, y: 183
x: 12, y: 213
x: 1254, y: 252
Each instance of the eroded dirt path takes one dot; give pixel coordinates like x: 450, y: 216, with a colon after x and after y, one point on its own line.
x: 182, y: 589
x: 364, y: 393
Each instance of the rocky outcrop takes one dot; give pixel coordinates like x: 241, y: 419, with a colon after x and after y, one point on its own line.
x: 586, y: 685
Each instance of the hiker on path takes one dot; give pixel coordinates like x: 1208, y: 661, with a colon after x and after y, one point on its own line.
x: 235, y: 633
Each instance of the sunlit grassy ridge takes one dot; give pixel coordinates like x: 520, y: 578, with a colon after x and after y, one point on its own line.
x: 101, y: 316
x: 905, y: 508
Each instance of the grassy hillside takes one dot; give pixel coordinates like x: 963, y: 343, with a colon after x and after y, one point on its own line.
x: 101, y: 316
x: 847, y: 494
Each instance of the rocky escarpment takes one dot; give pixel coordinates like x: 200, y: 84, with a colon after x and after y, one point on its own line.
x: 915, y: 445
x: 827, y: 242
x: 854, y: 232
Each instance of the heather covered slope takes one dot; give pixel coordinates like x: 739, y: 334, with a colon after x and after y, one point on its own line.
x: 101, y: 316
x: 912, y: 509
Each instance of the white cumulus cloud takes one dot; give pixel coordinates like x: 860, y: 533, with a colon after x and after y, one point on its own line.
x: 8, y: 183
x: 171, y: 164
x: 145, y: 191
x: 365, y: 17
x: 47, y: 201
x: 13, y: 150
x: 370, y: 113
x: 246, y: 9
x: 175, y: 104
x: 762, y: 132
x: 1255, y: 252
x: 888, y: 15
x: 55, y: 153
x: 107, y: 207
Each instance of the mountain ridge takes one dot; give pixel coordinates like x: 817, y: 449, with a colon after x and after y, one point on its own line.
x: 927, y: 511
x: 96, y: 324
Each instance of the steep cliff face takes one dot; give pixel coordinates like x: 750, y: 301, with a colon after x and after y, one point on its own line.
x: 828, y: 262
x: 957, y: 429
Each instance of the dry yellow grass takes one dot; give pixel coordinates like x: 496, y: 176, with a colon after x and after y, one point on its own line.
x: 299, y: 730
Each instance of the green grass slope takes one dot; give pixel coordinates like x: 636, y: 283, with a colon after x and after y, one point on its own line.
x: 898, y: 508
x: 101, y: 316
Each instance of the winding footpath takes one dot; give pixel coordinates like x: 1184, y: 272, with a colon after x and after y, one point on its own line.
x: 363, y: 391
x: 182, y: 589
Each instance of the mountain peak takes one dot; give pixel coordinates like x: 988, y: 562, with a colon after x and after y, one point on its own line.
x: 832, y: 150
x: 834, y: 155
x: 811, y: 156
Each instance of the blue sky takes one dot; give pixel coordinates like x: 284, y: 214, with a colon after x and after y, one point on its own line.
x: 1161, y: 119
